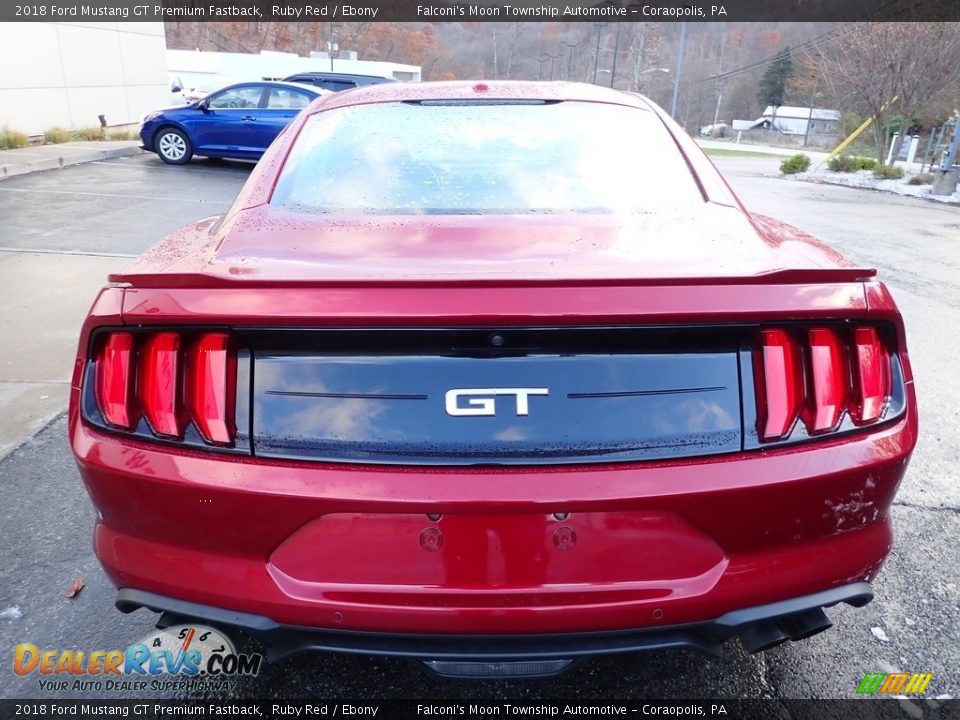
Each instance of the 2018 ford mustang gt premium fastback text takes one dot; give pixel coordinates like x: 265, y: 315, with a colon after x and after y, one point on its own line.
x: 496, y: 376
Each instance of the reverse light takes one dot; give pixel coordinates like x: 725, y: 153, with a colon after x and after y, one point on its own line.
x: 114, y: 382
x: 211, y: 388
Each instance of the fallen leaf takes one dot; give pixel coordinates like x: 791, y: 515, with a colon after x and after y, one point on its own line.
x: 75, y: 587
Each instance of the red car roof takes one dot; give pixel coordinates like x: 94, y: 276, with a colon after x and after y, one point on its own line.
x: 477, y: 90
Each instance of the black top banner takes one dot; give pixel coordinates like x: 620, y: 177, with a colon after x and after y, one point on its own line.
x: 483, y: 10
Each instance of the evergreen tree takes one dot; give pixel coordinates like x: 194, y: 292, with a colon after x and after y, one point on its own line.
x: 774, y: 79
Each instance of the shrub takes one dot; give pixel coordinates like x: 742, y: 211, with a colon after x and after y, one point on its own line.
x: 842, y: 163
x: 850, y: 163
x: 795, y: 164
x: 90, y: 133
x: 888, y: 172
x: 121, y: 135
x: 920, y: 179
x: 12, y: 139
x: 55, y: 136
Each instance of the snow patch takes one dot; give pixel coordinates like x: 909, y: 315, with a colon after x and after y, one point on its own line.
x: 11, y: 613
x: 864, y: 179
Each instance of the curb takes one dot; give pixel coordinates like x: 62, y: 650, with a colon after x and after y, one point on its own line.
x: 77, y: 156
x: 889, y: 191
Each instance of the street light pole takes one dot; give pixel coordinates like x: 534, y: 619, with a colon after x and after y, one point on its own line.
x: 676, y: 80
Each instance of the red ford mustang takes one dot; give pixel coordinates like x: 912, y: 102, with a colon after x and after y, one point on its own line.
x: 497, y: 376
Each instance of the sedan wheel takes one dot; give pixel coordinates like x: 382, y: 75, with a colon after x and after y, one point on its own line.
x: 173, y: 146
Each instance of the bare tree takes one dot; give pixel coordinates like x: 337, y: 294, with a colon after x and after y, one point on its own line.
x: 869, y: 64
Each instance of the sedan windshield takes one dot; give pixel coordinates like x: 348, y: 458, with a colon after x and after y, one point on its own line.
x: 492, y: 157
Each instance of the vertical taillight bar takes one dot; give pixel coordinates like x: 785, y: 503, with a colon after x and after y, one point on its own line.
x: 871, y: 371
x: 114, y: 381
x: 829, y: 381
x: 779, y: 384
x: 158, y: 384
x: 211, y: 388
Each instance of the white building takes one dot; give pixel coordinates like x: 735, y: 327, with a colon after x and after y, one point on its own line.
x: 69, y: 74
x: 791, y: 120
x: 196, y: 68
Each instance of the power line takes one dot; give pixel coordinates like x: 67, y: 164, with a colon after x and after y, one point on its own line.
x: 810, y: 44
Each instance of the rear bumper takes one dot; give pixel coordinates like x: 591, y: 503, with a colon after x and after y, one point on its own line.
x: 758, y: 627
x: 341, y: 548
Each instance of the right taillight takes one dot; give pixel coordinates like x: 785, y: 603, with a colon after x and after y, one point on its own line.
x: 171, y: 379
x: 816, y: 376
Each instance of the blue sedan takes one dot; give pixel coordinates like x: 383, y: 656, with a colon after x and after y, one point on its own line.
x: 239, y: 121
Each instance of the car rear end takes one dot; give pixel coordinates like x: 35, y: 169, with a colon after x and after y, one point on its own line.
x: 497, y: 472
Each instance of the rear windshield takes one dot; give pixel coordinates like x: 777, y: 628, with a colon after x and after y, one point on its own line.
x: 493, y: 158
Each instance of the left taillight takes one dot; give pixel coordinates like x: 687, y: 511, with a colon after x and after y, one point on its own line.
x: 172, y: 380
x: 114, y: 381
x: 212, y: 387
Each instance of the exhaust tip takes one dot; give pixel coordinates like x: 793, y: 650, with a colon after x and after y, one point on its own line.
x: 805, y: 624
x: 497, y: 670
x: 762, y: 636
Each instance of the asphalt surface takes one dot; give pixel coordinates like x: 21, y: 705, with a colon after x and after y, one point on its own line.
x: 124, y: 206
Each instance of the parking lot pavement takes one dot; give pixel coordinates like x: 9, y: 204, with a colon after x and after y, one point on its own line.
x: 62, y: 233
x: 44, y: 298
x: 114, y: 206
x: 45, y: 518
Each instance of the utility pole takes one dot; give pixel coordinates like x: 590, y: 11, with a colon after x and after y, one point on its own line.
x: 553, y: 59
x: 596, y: 52
x: 716, y: 113
x: 676, y: 80
x: 616, y: 51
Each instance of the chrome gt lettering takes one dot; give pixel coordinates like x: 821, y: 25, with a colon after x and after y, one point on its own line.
x: 461, y: 402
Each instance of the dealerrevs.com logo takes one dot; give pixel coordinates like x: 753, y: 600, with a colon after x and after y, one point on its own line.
x: 899, y: 683
x: 198, y: 655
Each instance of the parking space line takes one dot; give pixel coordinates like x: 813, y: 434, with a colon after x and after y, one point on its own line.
x: 114, y: 195
x: 53, y: 251
x: 35, y: 382
x: 189, y: 170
